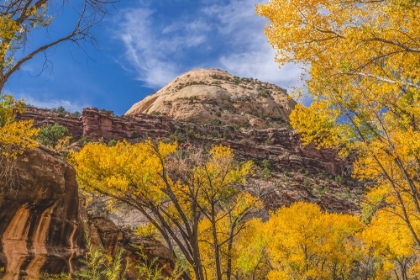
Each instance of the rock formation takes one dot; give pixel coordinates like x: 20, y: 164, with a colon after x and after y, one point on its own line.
x: 208, y: 106
x: 42, y: 221
x: 43, y: 117
x: 40, y: 228
x: 106, y: 234
x: 215, y: 96
x: 279, y: 145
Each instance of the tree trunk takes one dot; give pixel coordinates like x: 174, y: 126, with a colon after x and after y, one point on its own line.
x: 215, y: 243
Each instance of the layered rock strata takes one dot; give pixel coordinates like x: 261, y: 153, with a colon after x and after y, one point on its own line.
x: 279, y: 145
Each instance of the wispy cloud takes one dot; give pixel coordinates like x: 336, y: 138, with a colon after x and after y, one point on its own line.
x: 250, y: 55
x: 151, y: 48
x: 41, y: 102
x: 225, y: 35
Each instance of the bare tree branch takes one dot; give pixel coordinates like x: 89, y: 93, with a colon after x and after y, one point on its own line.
x: 27, y: 15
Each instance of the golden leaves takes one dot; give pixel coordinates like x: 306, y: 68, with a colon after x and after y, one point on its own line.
x: 15, y: 136
x: 14, y: 27
x: 181, y: 196
x: 114, y: 169
x: 308, y: 243
x: 363, y: 60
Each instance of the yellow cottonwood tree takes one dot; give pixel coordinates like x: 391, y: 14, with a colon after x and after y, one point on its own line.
x: 175, y: 191
x: 15, y: 136
x: 222, y: 237
x: 305, y: 243
x: 363, y: 60
x: 391, y: 246
x: 253, y: 260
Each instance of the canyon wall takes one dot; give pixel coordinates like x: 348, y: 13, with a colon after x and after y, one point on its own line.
x: 40, y: 229
x: 281, y: 146
x: 43, y: 221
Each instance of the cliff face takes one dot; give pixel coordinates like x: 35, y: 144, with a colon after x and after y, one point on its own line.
x: 42, y: 223
x: 43, y: 117
x: 207, y: 106
x: 281, y: 146
x: 40, y: 228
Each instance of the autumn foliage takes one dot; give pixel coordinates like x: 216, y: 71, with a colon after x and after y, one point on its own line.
x: 363, y: 64
x: 191, y: 199
x: 15, y: 136
x: 363, y: 60
x: 194, y: 204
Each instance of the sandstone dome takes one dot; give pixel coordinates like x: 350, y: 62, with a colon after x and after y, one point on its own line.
x: 216, y: 97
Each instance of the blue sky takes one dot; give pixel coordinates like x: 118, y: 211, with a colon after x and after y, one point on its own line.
x: 145, y: 44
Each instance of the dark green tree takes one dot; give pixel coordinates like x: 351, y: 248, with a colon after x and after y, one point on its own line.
x: 49, y: 135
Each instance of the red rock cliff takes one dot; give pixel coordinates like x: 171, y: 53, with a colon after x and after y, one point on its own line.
x: 279, y: 145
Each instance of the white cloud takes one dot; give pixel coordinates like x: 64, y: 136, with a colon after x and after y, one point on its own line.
x: 257, y: 64
x: 254, y: 56
x: 228, y: 36
x: 52, y: 103
x: 149, y: 49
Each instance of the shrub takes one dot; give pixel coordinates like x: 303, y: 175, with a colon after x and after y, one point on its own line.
x: 112, y: 143
x: 84, y: 140
x: 61, y: 111
x: 266, y: 164
x: 109, y: 112
x: 320, y: 189
x: 50, y: 135
x: 226, y: 135
x: 340, y: 180
x: 215, y: 122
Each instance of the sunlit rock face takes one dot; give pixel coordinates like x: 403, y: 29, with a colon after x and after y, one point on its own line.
x: 206, y: 106
x: 40, y: 229
x: 280, y: 145
x: 43, y: 224
x: 215, y: 96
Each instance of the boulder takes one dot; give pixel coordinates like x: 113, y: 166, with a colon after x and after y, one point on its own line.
x: 43, y: 221
x: 40, y: 229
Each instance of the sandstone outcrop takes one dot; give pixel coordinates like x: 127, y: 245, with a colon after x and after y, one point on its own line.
x: 42, y: 117
x: 204, y: 107
x: 215, y: 96
x: 43, y: 222
x: 40, y: 228
x: 207, y: 106
x: 106, y: 234
x: 279, y: 145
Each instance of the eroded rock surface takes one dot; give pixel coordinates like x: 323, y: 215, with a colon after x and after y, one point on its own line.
x: 106, y: 234
x: 213, y: 95
x: 203, y: 107
x: 39, y: 217
x: 43, y: 222
x: 281, y: 146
